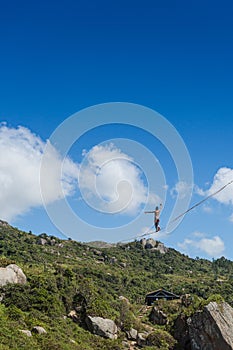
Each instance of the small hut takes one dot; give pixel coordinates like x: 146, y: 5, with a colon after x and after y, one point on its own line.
x: 160, y: 294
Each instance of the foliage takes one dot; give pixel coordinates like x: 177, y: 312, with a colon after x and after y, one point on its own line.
x: 64, y: 275
x: 161, y: 339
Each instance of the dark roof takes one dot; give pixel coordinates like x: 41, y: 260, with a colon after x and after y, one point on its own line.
x: 162, y: 293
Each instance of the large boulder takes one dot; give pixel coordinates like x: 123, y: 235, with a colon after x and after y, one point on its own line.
x: 150, y: 243
x: 212, y: 329
x: 12, y: 274
x: 103, y: 327
x: 153, y: 245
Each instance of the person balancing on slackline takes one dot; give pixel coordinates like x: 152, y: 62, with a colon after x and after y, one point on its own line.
x: 156, y: 216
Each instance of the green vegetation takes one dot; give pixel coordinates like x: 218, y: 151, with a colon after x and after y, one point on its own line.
x: 67, y: 275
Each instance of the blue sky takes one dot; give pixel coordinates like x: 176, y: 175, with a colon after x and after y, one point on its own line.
x: 173, y: 57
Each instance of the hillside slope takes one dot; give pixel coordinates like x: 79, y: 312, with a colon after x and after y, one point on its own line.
x: 64, y: 276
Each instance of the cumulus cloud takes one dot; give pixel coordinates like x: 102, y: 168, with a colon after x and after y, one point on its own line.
x: 214, y: 247
x: 223, y: 176
x: 110, y: 181
x: 181, y: 188
x: 21, y: 152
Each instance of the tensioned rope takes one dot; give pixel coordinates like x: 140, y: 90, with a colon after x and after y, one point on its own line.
x: 202, y: 201
x: 182, y: 214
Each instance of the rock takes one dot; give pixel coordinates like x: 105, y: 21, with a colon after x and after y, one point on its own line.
x: 42, y: 241
x: 158, y: 317
x: 153, y: 245
x: 123, y: 264
x: 143, y: 242
x: 150, y: 243
x: 4, y: 223
x: 212, y: 329
x: 113, y: 260
x: 132, y: 334
x: 12, y: 274
x: 181, y: 332
x: 161, y: 248
x: 52, y: 242
x: 103, y: 327
x: 126, y: 345
x: 73, y: 314
x: 97, y: 252
x: 141, y: 339
x: 26, y: 332
x: 39, y: 330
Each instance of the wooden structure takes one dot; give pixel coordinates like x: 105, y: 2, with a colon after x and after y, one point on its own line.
x: 160, y: 294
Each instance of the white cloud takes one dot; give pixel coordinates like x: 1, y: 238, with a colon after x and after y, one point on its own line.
x: 108, y: 178
x: 21, y: 152
x: 110, y: 181
x: 181, y: 188
x: 214, y: 247
x: 222, y: 177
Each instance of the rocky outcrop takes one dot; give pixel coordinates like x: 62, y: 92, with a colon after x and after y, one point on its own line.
x: 158, y: 317
x: 103, y: 327
x: 210, y: 329
x: 42, y: 241
x: 153, y: 245
x: 150, y: 243
x: 161, y: 248
x: 12, y: 274
x: 4, y: 224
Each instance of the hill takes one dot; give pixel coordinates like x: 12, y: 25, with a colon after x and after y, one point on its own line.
x: 67, y: 281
